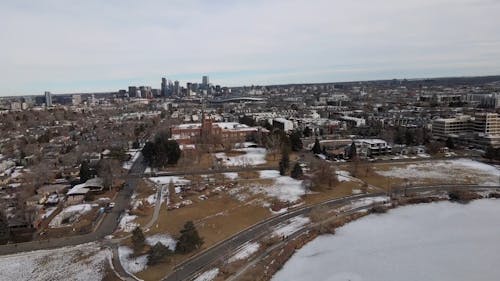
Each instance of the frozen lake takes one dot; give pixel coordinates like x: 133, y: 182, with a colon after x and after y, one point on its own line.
x: 439, y: 241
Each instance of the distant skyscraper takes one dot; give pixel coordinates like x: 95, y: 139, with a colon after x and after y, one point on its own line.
x: 205, y: 81
x: 48, y: 99
x: 177, y: 88
x: 132, y: 91
x: 164, y: 87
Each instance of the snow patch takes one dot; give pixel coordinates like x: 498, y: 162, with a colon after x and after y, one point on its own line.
x: 293, y: 225
x: 208, y: 275
x: 164, y: 239
x: 245, y: 251
x: 131, y: 264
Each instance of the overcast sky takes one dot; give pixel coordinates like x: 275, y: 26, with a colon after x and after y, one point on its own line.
x: 94, y: 45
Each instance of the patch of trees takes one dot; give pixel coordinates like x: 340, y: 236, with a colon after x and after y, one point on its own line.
x: 297, y: 171
x: 295, y: 141
x: 86, y: 172
x: 284, y: 163
x: 189, y: 240
x: 161, y: 151
x: 316, y: 149
x: 158, y: 253
x: 492, y: 153
x: 411, y: 136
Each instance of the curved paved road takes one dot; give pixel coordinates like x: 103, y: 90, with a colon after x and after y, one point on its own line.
x: 201, y: 261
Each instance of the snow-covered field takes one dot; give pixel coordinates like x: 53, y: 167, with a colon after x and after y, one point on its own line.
x: 71, y: 214
x: 244, y: 251
x: 283, y: 188
x: 438, y: 241
x: 208, y: 275
x: 129, y: 263
x: 452, y: 170
x: 83, y: 262
x: 290, y: 227
x: 252, y: 156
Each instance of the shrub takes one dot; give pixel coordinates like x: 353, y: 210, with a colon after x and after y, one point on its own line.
x: 158, y: 253
x: 379, y: 209
x: 462, y: 196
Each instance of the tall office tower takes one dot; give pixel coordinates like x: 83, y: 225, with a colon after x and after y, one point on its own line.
x: 164, y: 87
x: 48, y: 99
x: 177, y: 88
x: 132, y: 91
x: 205, y: 81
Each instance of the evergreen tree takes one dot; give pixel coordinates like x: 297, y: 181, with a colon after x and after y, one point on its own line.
x: 4, y: 229
x: 297, y: 172
x: 189, y: 239
x: 295, y: 141
x: 85, y: 172
x: 450, y: 144
x: 352, y: 151
x: 157, y: 253
x: 284, y: 163
x: 307, y: 132
x: 138, y: 239
x: 316, y: 149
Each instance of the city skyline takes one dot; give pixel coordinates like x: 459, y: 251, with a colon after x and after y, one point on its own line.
x: 91, y: 46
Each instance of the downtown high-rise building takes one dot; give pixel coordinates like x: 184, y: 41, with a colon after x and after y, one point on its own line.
x: 204, y: 81
x: 48, y: 99
x: 164, y: 87
x: 177, y: 88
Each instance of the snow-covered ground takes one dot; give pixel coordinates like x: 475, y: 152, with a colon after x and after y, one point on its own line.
x: 244, y: 251
x: 208, y: 275
x: 231, y: 176
x: 71, y: 214
x: 127, y: 223
x: 343, y: 176
x: 283, y: 188
x: 456, y: 170
x: 169, y: 179
x: 83, y: 262
x: 439, y: 241
x: 290, y: 227
x: 252, y: 156
x: 129, y: 263
x: 164, y: 239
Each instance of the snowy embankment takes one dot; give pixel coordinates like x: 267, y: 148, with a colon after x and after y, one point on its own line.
x: 293, y: 225
x: 244, y: 251
x: 364, y: 202
x: 438, y: 241
x: 83, y: 262
x: 208, y: 275
x: 456, y: 170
